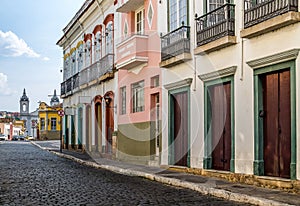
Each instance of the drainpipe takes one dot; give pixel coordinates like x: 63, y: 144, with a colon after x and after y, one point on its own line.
x: 195, y: 42
x: 242, y: 47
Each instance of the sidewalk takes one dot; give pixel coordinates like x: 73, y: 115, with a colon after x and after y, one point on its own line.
x: 205, y: 185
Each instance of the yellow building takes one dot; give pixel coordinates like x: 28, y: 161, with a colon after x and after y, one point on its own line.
x: 49, y: 120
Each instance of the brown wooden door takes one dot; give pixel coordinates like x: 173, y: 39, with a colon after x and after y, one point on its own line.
x: 277, y: 123
x: 109, y: 126
x: 180, y: 111
x: 220, y: 97
x: 98, y: 125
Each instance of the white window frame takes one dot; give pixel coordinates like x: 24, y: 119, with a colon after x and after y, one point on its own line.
x: 43, y: 124
x: 138, y: 96
x: 123, y: 100
x: 53, y: 123
x: 109, y: 37
x: 178, y: 22
x: 141, y: 22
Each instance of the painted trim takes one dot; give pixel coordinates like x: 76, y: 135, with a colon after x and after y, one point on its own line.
x: 207, y: 160
x: 171, y: 148
x: 175, y: 85
x: 258, y: 164
x: 218, y: 74
x: 274, y: 59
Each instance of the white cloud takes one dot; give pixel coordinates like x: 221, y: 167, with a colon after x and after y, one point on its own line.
x: 12, y: 45
x: 4, y: 89
x: 46, y: 59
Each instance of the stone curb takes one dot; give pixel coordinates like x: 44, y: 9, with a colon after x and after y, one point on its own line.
x: 205, y: 190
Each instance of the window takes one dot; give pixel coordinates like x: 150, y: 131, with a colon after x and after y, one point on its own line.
x: 73, y: 62
x: 139, y: 21
x: 88, y: 48
x: 80, y: 57
x: 109, y: 38
x: 97, y: 47
x: 137, y: 90
x: 53, y: 124
x: 177, y: 10
x: 123, y: 100
x: 155, y: 81
x: 42, y: 124
x: 214, y: 4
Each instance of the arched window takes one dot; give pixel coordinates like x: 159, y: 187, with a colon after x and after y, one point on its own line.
x: 67, y: 73
x: 109, y: 37
x: 73, y: 61
x: 97, y: 46
x: 80, y: 55
x: 88, y: 52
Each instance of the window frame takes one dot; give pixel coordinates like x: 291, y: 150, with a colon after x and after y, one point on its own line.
x: 43, y: 124
x: 138, y: 97
x: 178, y: 22
x: 53, y: 123
x: 123, y: 100
x: 140, y: 11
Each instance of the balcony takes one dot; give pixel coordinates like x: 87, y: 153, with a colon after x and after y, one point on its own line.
x: 70, y: 85
x: 175, y: 47
x: 216, y: 29
x: 97, y: 72
x: 269, y: 15
x: 130, y: 5
x: 132, y: 52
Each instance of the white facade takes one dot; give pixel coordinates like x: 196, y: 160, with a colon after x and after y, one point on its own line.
x: 240, y: 59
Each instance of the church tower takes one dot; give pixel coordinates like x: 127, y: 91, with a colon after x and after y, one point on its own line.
x: 54, y: 99
x: 24, y: 104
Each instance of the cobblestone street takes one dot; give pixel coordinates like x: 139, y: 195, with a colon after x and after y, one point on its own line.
x: 31, y: 176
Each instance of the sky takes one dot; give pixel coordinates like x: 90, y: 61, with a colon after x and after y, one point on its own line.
x: 29, y: 56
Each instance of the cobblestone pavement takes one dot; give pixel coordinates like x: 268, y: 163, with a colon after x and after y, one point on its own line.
x: 31, y: 176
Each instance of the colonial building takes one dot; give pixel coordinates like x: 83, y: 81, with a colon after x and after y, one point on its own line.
x: 49, y: 119
x: 230, y: 90
x: 30, y: 118
x: 89, y: 77
x: 139, y: 81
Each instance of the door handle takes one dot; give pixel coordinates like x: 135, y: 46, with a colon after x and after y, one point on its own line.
x: 261, y: 113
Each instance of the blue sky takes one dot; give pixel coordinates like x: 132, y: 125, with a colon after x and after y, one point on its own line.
x: 29, y: 56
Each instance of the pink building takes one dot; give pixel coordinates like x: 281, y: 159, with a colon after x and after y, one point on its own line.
x: 139, y: 82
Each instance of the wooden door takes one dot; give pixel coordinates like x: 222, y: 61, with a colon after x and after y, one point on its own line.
x: 220, y: 97
x: 88, y: 127
x: 277, y: 123
x: 180, y: 112
x: 109, y: 126
x: 98, y: 126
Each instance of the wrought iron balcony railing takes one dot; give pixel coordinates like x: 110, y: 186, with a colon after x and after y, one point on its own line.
x: 216, y: 24
x: 175, y: 43
x: 96, y: 70
x: 258, y: 12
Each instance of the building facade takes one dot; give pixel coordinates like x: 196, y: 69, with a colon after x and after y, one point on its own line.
x: 50, y: 123
x: 232, y: 100
x: 139, y: 81
x: 90, y: 78
x: 196, y: 84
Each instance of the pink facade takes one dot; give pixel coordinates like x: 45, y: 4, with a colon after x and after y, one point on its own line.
x: 137, y: 58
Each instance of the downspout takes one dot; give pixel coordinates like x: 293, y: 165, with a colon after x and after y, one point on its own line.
x: 195, y: 42
x: 242, y: 46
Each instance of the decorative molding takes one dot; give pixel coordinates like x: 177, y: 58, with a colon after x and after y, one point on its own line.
x: 274, y: 59
x: 179, y: 84
x: 218, y: 74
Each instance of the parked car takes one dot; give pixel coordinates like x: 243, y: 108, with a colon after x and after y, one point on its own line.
x: 3, y: 137
x: 21, y: 137
x: 15, y: 138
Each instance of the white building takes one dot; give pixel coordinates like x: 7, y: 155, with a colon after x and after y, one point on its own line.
x: 230, y: 90
x: 89, y: 77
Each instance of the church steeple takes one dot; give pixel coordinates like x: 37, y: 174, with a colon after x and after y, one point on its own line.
x: 24, y: 103
x: 54, y: 99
